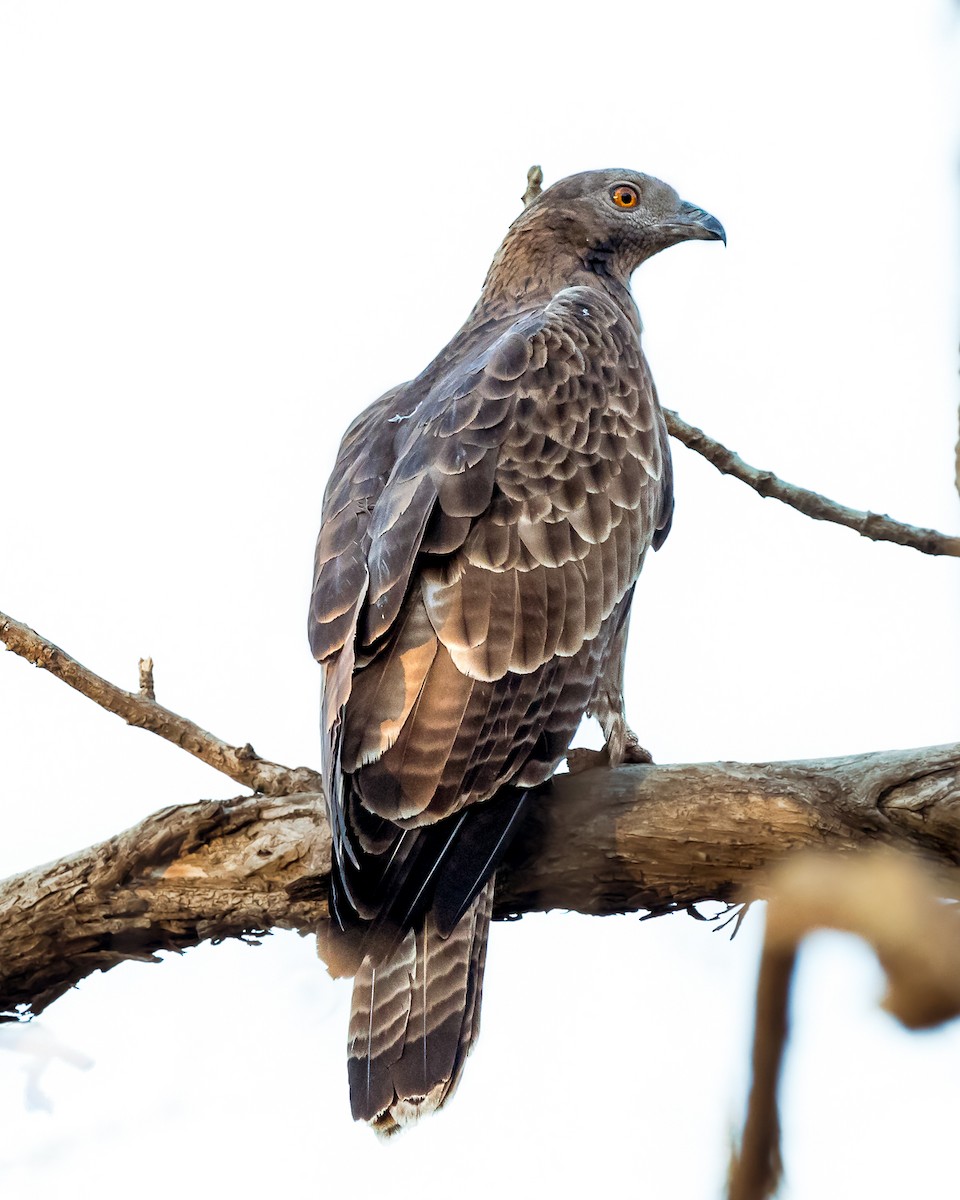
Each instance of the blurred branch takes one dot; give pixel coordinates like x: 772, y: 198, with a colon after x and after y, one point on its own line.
x: 240, y: 763
x: 654, y: 838
x: 893, y: 904
x: 958, y: 454
x: 877, y: 527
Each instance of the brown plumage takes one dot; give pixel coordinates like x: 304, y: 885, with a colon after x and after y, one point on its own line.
x: 483, y: 530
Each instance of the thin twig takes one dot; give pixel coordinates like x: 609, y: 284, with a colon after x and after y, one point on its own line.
x: 241, y: 763
x: 877, y: 527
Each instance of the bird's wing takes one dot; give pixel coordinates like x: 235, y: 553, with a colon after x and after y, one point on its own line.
x: 478, y: 537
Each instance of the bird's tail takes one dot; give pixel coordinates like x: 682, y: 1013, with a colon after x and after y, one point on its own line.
x: 414, y: 1018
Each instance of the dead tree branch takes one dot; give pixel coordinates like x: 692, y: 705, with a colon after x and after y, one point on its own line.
x: 241, y: 763
x: 876, y: 527
x: 654, y: 838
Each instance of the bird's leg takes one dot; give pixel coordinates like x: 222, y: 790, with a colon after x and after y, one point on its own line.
x: 622, y: 744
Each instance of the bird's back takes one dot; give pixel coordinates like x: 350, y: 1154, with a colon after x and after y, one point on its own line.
x: 482, y: 534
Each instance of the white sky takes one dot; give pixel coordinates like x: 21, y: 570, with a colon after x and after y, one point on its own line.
x: 224, y: 229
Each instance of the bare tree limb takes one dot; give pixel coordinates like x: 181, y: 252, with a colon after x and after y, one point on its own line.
x: 193, y: 873
x: 653, y: 838
x: 240, y: 763
x: 660, y: 839
x: 876, y: 527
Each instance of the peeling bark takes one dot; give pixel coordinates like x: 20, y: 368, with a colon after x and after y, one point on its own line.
x: 653, y: 838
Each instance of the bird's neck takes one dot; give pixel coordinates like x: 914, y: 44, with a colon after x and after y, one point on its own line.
x: 532, y: 265
x: 529, y: 269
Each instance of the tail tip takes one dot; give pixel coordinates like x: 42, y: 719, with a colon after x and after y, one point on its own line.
x: 408, y: 1110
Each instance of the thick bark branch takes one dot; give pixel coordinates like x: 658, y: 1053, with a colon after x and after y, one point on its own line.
x: 643, y: 837
x: 876, y: 527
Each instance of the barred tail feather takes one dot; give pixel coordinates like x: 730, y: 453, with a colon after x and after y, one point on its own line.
x: 414, y: 1019
x: 379, y: 1015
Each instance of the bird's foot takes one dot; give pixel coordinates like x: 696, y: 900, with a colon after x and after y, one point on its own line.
x: 614, y: 753
x: 623, y: 745
x: 633, y: 752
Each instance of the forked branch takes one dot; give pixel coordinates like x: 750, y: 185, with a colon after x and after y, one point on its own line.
x: 242, y: 764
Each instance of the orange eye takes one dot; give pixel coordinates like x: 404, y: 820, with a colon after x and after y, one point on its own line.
x: 625, y: 197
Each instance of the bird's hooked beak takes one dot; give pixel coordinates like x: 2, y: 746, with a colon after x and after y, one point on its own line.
x: 693, y: 222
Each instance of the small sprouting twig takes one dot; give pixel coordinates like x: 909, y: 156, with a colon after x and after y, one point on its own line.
x: 239, y: 763
x: 878, y: 527
x: 534, y: 181
x: 146, y: 679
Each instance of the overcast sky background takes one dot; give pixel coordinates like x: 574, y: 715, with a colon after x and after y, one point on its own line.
x: 227, y: 227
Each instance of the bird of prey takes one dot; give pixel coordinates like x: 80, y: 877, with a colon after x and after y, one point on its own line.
x: 483, y: 530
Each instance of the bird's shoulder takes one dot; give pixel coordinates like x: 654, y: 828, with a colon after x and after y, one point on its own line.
x: 417, y: 470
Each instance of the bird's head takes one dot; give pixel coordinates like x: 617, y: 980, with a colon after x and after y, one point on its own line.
x: 611, y: 221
